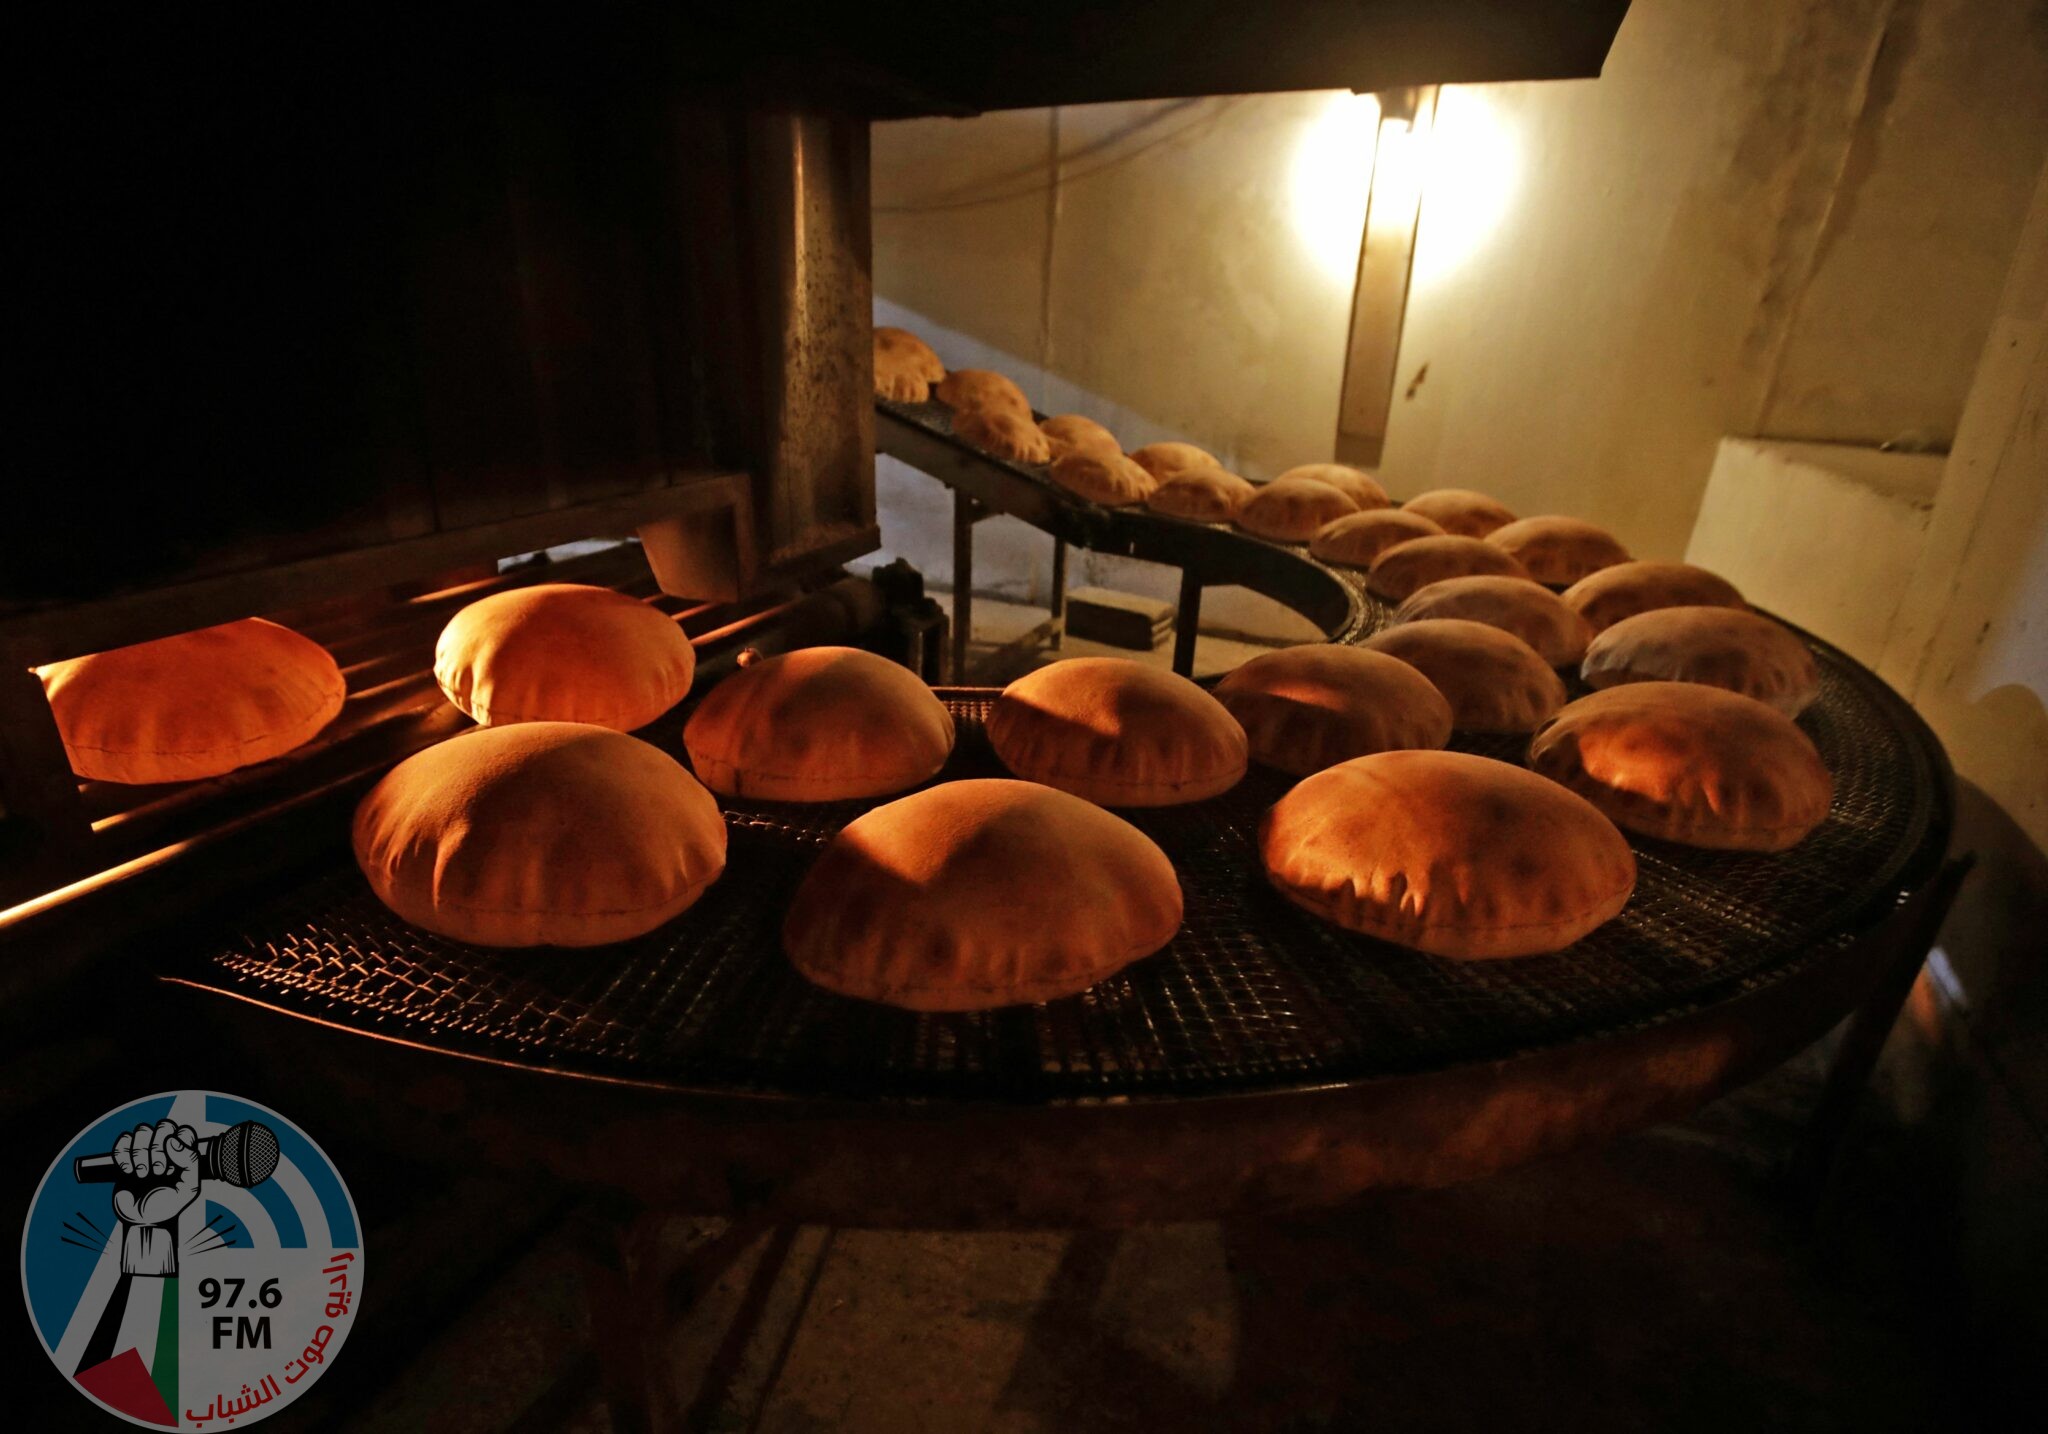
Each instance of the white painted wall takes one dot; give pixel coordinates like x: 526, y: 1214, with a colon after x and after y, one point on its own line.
x: 1768, y: 218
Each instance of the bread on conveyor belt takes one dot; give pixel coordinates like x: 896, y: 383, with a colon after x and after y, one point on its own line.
x: 1559, y: 550
x: 905, y: 366
x: 1743, y: 652
x: 1523, y: 607
x: 564, y: 652
x: 1310, y: 707
x: 1494, y: 681
x: 1689, y: 764
x: 1403, y: 568
x: 1456, y: 855
x: 1462, y: 511
x: 978, y: 894
x: 198, y: 704
x: 1611, y: 594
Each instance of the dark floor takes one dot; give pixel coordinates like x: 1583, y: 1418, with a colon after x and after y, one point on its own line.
x: 1660, y: 1283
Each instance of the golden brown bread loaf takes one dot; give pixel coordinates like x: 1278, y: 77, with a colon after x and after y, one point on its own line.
x: 1290, y: 510
x: 1460, y: 511
x: 905, y: 366
x: 1357, y: 538
x: 820, y: 724
x: 1310, y: 707
x: 539, y: 834
x: 1743, y: 652
x: 1118, y: 732
x: 1071, y: 433
x: 564, y: 652
x: 1459, y: 856
x: 1002, y: 433
x: 966, y: 390
x: 1167, y: 461
x: 1109, y: 479
x: 979, y: 894
x: 1494, y: 681
x: 1201, y: 495
x: 1558, y: 550
x: 1354, y: 483
x: 1689, y: 764
x: 1606, y: 597
x: 1525, y: 608
x: 1404, y: 568
x: 198, y: 704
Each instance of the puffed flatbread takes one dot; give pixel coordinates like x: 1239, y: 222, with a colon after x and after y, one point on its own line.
x: 1459, y: 856
x: 905, y: 366
x: 1611, y: 594
x: 979, y: 894
x: 820, y: 724
x: 1404, y: 568
x: 1559, y: 550
x: 1118, y: 732
x: 1354, y: 483
x: 198, y: 704
x: 1201, y: 495
x: 539, y: 834
x: 1310, y: 707
x: 1689, y: 764
x: 1357, y: 538
x: 1461, y: 510
x: 564, y: 652
x: 1494, y: 681
x: 1291, y: 510
x: 1743, y: 652
x: 1521, y: 606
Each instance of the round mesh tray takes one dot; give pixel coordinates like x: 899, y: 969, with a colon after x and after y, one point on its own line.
x: 1253, y: 994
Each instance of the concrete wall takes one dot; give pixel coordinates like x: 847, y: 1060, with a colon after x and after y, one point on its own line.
x: 1787, y: 220
x: 1765, y: 218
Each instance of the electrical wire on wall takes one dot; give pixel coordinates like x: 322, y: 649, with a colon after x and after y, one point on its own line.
x: 1052, y: 230
x: 1196, y: 116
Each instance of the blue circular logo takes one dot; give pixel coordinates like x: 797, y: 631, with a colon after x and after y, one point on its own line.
x: 192, y: 1261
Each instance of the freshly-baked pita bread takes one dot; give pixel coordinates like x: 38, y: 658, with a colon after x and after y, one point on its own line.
x: 539, y: 834
x: 195, y: 705
x: 1525, y: 608
x: 1355, y: 539
x: 1071, y: 433
x: 1455, y: 855
x: 1460, y: 510
x: 563, y: 652
x: 1004, y: 434
x: 1606, y: 597
x: 1202, y: 495
x: 1290, y: 510
x: 820, y: 724
x: 1494, y: 681
x: 965, y: 390
x: 980, y: 894
x: 1310, y: 707
x: 1354, y: 483
x: 1167, y: 461
x: 1109, y: 479
x: 1689, y: 764
x: 1559, y: 551
x: 905, y: 366
x: 1743, y: 652
x: 1118, y: 732
x: 1404, y: 568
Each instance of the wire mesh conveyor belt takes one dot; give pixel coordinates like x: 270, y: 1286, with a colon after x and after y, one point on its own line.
x: 1335, y: 599
x: 1252, y: 995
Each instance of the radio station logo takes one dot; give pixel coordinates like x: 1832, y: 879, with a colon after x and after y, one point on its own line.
x: 192, y: 1261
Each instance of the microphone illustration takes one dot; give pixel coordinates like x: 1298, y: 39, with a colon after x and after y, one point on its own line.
x: 242, y: 1155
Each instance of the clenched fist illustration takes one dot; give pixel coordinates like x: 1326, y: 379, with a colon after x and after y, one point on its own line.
x: 159, y: 1178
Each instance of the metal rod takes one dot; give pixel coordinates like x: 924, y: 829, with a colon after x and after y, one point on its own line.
x: 1059, y: 595
x: 963, y: 582
x: 1186, y: 621
x: 1811, y: 1168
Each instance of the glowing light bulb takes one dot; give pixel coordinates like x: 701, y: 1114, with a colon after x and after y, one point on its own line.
x: 1328, y: 179
x: 1473, y: 169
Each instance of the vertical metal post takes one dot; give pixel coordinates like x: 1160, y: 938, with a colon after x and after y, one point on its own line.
x: 1811, y: 1168
x: 1186, y: 621
x: 963, y: 582
x: 1059, y: 594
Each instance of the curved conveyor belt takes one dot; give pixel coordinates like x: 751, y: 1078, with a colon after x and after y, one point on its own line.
x: 1262, y: 1059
